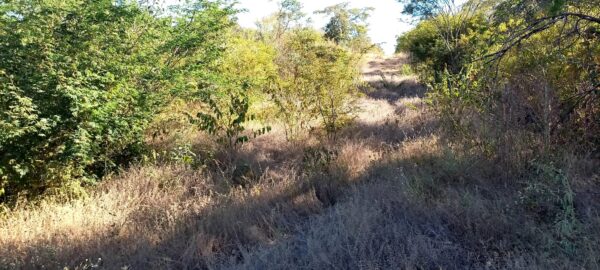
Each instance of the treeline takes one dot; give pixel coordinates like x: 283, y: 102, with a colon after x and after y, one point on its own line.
x: 517, y: 80
x: 84, y: 84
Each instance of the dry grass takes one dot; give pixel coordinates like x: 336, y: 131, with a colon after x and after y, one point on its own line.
x: 395, y: 195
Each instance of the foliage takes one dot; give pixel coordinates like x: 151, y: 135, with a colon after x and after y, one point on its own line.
x: 81, y: 80
x: 511, y: 74
x: 423, y: 44
x: 243, y: 75
x: 225, y: 119
x: 288, y: 16
x: 347, y: 26
x: 228, y: 109
x: 290, y: 12
x: 249, y: 59
x: 551, y: 198
x: 446, y: 43
x: 421, y: 8
x: 316, y: 80
x: 339, y: 80
x: 523, y: 89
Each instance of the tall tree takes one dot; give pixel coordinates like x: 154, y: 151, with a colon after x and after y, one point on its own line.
x: 289, y: 15
x: 346, y: 24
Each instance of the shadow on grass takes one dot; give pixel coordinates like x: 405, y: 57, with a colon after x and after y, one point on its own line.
x: 448, y: 210
x: 394, y: 91
x: 388, y: 63
x: 178, y: 233
x: 429, y: 207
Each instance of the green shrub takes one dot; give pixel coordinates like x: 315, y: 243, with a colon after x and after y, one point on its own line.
x: 230, y: 94
x: 317, y: 80
x: 501, y: 79
x: 81, y: 80
x: 550, y: 198
x: 445, y: 42
x: 226, y: 115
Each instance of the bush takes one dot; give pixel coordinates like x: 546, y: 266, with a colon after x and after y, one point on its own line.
x: 80, y: 82
x: 445, y: 42
x: 317, y: 80
x: 499, y: 80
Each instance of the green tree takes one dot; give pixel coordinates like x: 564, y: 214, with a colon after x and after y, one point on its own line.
x: 520, y: 68
x: 347, y: 26
x: 288, y: 16
x: 422, y: 9
x: 242, y: 76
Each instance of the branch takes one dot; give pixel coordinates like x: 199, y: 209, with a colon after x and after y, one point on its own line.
x: 581, y: 16
x: 538, y: 26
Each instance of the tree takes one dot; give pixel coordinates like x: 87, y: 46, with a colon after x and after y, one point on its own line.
x: 242, y: 77
x: 517, y: 66
x: 288, y: 16
x: 421, y: 9
x: 347, y: 25
x: 290, y: 12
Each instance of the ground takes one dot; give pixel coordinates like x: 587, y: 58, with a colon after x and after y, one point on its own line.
x: 386, y: 193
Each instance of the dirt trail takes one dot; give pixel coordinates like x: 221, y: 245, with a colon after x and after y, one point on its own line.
x: 392, y: 107
x: 388, y: 88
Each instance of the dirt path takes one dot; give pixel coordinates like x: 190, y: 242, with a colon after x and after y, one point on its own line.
x: 392, y: 107
x: 388, y: 89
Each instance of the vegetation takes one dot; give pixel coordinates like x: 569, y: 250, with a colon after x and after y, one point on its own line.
x: 138, y: 137
x: 348, y: 26
x: 92, y: 97
x: 516, y: 83
x: 531, y: 77
x: 81, y: 82
x: 316, y: 79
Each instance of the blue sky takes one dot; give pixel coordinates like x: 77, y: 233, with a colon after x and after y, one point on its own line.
x: 384, y: 24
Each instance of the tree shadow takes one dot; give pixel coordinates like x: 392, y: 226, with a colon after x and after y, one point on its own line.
x: 393, y: 91
x: 385, y: 134
x: 385, y: 81
x: 388, y: 63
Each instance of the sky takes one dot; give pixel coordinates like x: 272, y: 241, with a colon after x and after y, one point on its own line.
x: 384, y: 23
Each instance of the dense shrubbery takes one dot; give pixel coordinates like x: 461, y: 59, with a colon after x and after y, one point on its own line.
x: 84, y: 83
x: 81, y: 80
x: 347, y: 26
x: 448, y: 43
x: 518, y: 82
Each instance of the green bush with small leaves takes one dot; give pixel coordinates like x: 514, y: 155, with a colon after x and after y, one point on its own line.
x: 317, y: 81
x: 80, y: 81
